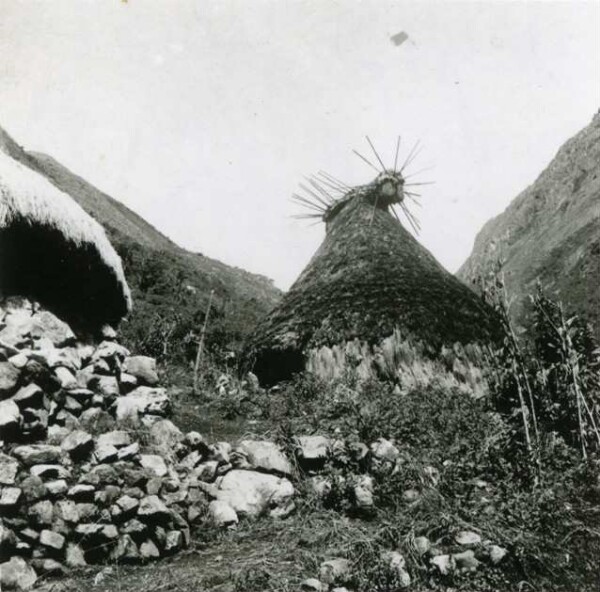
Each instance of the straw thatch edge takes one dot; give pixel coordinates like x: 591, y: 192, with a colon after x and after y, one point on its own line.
x: 25, y: 194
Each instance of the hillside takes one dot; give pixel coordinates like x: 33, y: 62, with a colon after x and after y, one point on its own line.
x: 173, y: 288
x: 551, y: 232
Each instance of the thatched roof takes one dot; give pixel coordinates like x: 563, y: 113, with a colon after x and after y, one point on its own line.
x: 53, y: 252
x: 369, y: 278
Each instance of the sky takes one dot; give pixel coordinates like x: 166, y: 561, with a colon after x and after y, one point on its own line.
x: 204, y: 116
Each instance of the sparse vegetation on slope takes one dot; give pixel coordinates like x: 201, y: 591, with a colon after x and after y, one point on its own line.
x: 551, y: 233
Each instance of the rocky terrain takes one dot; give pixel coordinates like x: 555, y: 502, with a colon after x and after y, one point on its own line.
x: 551, y: 232
x: 93, y: 471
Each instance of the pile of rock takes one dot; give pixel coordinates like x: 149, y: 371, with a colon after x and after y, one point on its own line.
x: 90, y: 468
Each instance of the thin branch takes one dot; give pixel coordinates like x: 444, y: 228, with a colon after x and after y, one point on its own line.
x: 409, y: 157
x: 200, y: 351
x: 376, y: 155
x: 396, y: 157
x: 363, y: 158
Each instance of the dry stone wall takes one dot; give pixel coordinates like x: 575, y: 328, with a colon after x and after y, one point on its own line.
x: 91, y: 469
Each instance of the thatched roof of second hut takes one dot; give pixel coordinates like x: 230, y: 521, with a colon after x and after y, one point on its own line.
x: 52, y: 251
x: 368, y: 278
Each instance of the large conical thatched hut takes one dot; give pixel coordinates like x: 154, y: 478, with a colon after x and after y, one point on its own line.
x: 369, y: 279
x: 53, y: 252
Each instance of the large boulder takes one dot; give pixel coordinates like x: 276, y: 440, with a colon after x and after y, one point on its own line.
x: 251, y: 493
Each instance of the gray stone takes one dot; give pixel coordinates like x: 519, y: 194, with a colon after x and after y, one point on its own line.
x: 33, y: 488
x: 8, y: 540
x: 9, y: 378
x: 107, y: 386
x: 29, y: 535
x: 8, y: 469
x: 67, y: 510
x: 193, y: 459
x: 143, y: 400
x: 128, y: 504
x: 116, y: 438
x: 97, y: 420
x: 78, y: 444
x: 467, y: 538
x: 74, y: 556
x: 82, y: 492
x: 153, y: 510
x: 194, y: 440
x: 51, y: 539
x: 48, y: 567
x: 134, y: 528
x: 466, y: 560
x: 206, y: 471
x: 164, y: 437
x: 265, y: 456
x: 129, y: 452
x: 101, y: 475
x: 148, y: 550
x: 49, y: 472
x: 110, y: 350
x: 45, y: 324
x: 9, y: 497
x: 19, y: 360
x: 105, y: 453
x: 497, y: 554
x: 250, y: 493
x: 313, y: 585
x: 10, y: 419
x: 143, y: 368
x: 36, y: 454
x: 443, y: 563
x: 65, y: 378
x: 56, y: 488
x: 410, y: 495
x: 334, y: 571
x: 30, y: 395
x: 363, y: 493
x: 154, y: 463
x: 108, y: 333
x: 222, y: 514
x: 126, y: 550
x: 91, y: 534
x: 174, y: 541
x: 321, y: 486
x: 384, y: 450
x: 41, y: 513
x: 16, y: 574
x: 312, y: 450
x: 87, y: 511
x: 422, y: 545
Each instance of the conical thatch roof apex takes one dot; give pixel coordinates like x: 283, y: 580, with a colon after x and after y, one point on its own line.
x: 52, y: 251
x: 369, y: 278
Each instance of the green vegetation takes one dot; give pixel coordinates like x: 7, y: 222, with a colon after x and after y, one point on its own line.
x: 171, y: 298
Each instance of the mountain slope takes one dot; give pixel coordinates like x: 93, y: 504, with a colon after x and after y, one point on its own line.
x: 551, y: 232
x: 164, y: 278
